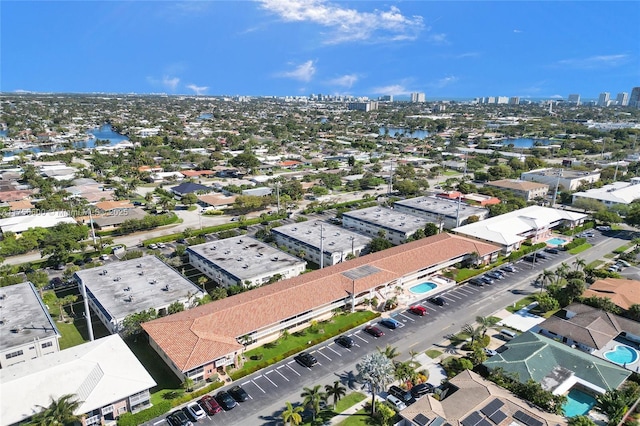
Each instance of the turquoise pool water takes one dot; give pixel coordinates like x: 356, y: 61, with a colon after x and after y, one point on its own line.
x: 423, y: 288
x: 622, y: 355
x: 578, y: 403
x: 556, y: 241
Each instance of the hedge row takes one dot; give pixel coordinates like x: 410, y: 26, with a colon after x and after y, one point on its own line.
x: 264, y: 364
x: 578, y: 229
x: 524, y: 250
x: 162, y: 407
x: 575, y: 243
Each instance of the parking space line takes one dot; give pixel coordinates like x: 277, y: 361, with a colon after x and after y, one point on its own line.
x: 335, y: 352
x: 452, y: 295
x: 291, y: 368
x: 409, y: 318
x: 318, y: 351
x: 265, y: 376
x: 254, y: 382
x: 355, y: 335
x: 283, y: 376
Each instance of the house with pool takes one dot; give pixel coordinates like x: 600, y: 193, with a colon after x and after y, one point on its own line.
x: 560, y: 369
x: 534, y: 224
x: 597, y: 332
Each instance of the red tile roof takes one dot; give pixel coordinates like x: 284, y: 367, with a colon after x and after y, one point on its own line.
x: 623, y: 292
x: 194, y: 173
x: 200, y: 335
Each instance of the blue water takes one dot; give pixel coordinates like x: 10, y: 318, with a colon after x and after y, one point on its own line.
x: 393, y: 131
x: 556, y: 241
x: 578, y: 403
x: 423, y: 288
x: 622, y: 355
x: 527, y: 142
x: 205, y: 116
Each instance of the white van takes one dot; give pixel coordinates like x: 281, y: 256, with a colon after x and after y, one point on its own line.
x: 507, y: 334
x: 396, y: 403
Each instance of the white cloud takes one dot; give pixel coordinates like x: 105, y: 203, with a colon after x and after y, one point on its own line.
x: 346, y: 80
x: 556, y: 96
x: 392, y: 89
x: 445, y: 81
x: 518, y: 31
x: 438, y: 38
x: 348, y: 24
x: 303, y: 72
x: 198, y: 90
x: 598, y: 61
x: 167, y: 82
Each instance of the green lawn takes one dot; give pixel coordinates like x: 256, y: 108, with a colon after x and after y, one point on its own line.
x: 623, y: 248
x: 360, y: 418
x: 273, y: 352
x: 433, y: 353
x: 451, y: 173
x: 345, y: 403
x: 521, y: 304
x: 157, y: 368
x: 70, y: 335
x: 595, y: 263
x: 610, y: 255
x: 580, y: 248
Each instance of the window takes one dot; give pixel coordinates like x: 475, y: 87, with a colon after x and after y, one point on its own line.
x: 47, y: 345
x: 14, y: 354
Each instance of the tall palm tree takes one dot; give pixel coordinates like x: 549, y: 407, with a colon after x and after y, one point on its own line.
x: 377, y: 371
x: 579, y: 264
x: 389, y: 351
x: 561, y: 271
x: 474, y: 332
x: 291, y: 415
x: 337, y: 391
x: 312, y: 399
x: 60, y: 412
x: 486, y: 323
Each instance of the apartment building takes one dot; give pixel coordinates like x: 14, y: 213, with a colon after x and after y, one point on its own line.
x: 569, y: 180
x: 397, y: 226
x: 521, y: 188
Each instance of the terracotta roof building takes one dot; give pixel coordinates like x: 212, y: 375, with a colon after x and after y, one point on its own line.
x: 622, y: 292
x: 195, y: 342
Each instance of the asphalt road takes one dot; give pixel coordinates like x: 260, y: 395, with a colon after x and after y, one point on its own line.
x: 271, y: 387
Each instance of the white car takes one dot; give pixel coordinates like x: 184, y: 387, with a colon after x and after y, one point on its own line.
x: 396, y: 403
x: 161, y: 245
x: 153, y: 246
x: 104, y: 257
x: 196, y: 410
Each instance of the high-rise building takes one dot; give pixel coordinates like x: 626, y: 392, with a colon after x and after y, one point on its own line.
x: 502, y: 100
x: 362, y: 106
x: 603, y: 99
x: 386, y: 98
x: 514, y: 100
x: 622, y: 99
x: 634, y: 99
x: 418, y: 97
x: 574, y: 99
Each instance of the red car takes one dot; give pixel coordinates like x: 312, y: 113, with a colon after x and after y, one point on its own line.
x: 374, y: 331
x: 210, y: 405
x: 418, y: 310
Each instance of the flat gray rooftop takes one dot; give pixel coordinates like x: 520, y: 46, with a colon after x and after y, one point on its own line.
x: 388, y: 218
x: 442, y: 207
x: 23, y: 315
x: 564, y: 173
x: 336, y: 238
x: 245, y: 257
x: 136, y: 285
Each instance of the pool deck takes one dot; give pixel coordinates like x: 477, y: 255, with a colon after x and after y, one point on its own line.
x: 632, y: 366
x: 408, y: 297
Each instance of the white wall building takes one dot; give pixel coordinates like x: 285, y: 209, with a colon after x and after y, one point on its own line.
x: 119, y: 289
x: 397, y: 226
x: 243, y: 261
x: 565, y: 179
x: 26, y: 328
x: 439, y: 211
x: 604, y: 99
x: 308, y: 237
x: 616, y: 193
x: 418, y: 97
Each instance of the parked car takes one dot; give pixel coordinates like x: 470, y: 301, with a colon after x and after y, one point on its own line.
x: 487, y: 280
x: 541, y: 255
x: 421, y: 389
x: 373, y: 330
x: 306, y: 359
x: 489, y: 352
x: 396, y: 403
x: 390, y: 323
x: 508, y: 268
x: 56, y: 282
x: 238, y: 393
x: 494, y: 275
x: 603, y: 228
x: 437, y: 300
x: 152, y: 246
x: 623, y: 263
x: 477, y: 282
x: 552, y: 250
x: 179, y: 418
x: 345, y: 341
x: 418, y: 310
x: 104, y: 257
x: 531, y: 258
x: 613, y: 268
x: 210, y: 405
x: 226, y: 401
x: 402, y: 394
x: 194, y: 411
x: 162, y: 245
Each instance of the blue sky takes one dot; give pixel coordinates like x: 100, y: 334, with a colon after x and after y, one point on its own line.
x: 447, y: 49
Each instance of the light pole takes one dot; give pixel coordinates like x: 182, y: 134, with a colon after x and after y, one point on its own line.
x: 321, y: 245
x: 353, y: 296
x: 352, y: 238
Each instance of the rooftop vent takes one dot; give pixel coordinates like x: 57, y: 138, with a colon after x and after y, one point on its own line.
x: 139, y: 265
x: 141, y: 273
x: 154, y: 281
x: 127, y: 288
x: 104, y: 272
x: 3, y: 296
x: 116, y: 279
x: 245, y: 266
x: 165, y: 288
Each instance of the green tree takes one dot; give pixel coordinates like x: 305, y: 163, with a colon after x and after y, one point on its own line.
x: 389, y: 351
x: 312, y: 399
x: 614, y: 404
x: 40, y: 279
x: 189, y: 199
x: 335, y: 391
x: 379, y: 244
x: 580, y: 421
x: 291, y: 415
x: 60, y: 412
x: 131, y: 323
x: 377, y: 371
x: 246, y: 161
x: 634, y: 312
x: 175, y: 307
x: 431, y: 229
x: 384, y: 414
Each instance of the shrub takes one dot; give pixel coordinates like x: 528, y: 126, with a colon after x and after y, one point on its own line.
x: 128, y: 419
x: 575, y: 243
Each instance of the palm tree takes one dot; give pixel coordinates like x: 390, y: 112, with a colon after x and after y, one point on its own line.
x: 377, y: 371
x: 561, y: 271
x: 60, y: 412
x: 291, y: 415
x: 546, y: 277
x: 486, y: 323
x: 389, y: 351
x: 474, y: 332
x: 579, y: 264
x: 337, y: 391
x: 203, y: 281
x: 312, y: 399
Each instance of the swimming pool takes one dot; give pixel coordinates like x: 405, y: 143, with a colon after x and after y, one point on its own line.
x: 622, y: 355
x: 578, y: 403
x: 423, y: 288
x: 555, y: 241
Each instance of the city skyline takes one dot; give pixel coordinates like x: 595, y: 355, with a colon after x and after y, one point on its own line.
x: 291, y: 48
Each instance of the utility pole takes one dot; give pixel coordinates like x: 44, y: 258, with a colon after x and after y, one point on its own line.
x: 87, y: 313
x: 353, y: 296
x: 458, y: 210
x: 93, y: 231
x: 555, y: 193
x: 278, y: 195
x: 321, y: 246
